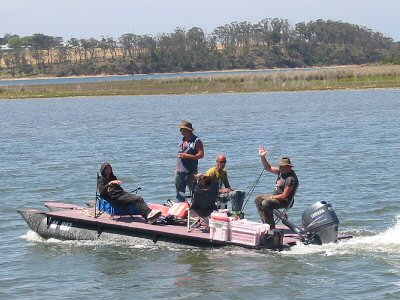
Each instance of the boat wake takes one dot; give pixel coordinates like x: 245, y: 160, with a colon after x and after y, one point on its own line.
x: 111, y: 240
x: 386, y: 242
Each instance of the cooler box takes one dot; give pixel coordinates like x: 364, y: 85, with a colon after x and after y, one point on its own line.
x: 247, y: 233
x: 219, y: 230
x: 105, y: 206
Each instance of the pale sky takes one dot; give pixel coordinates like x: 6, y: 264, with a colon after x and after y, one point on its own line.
x: 97, y: 18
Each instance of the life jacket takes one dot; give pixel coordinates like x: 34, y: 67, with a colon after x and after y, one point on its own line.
x: 179, y: 210
x: 191, y: 148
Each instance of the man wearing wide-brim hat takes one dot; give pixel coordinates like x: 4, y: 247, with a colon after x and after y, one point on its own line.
x: 190, y: 150
x: 285, y: 188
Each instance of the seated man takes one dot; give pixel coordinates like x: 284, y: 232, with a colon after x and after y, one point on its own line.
x: 219, y: 174
x: 285, y: 188
x: 110, y: 188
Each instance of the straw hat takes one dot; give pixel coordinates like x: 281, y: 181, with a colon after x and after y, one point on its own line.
x: 186, y: 125
x: 285, y: 161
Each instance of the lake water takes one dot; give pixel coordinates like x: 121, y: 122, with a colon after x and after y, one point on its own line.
x: 344, y: 144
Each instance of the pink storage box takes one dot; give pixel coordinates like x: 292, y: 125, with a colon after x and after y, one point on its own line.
x: 247, y: 232
x: 219, y: 230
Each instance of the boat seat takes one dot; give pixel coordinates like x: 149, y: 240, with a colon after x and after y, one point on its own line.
x: 282, y: 212
x: 104, y: 205
x: 221, y: 204
x: 202, y: 204
x: 222, y: 199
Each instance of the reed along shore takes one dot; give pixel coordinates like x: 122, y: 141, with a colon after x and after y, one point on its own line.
x: 332, y: 78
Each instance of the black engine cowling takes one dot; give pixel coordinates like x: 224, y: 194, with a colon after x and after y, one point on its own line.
x: 320, y: 223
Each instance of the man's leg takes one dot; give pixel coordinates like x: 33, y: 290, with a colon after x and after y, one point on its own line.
x: 190, y: 179
x: 126, y: 199
x: 237, y: 199
x: 180, y: 184
x: 268, y: 206
x: 259, y: 201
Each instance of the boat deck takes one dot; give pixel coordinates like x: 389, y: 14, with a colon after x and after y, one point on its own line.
x: 137, y: 224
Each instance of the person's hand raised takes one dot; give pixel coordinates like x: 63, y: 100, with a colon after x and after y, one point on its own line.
x: 262, y: 151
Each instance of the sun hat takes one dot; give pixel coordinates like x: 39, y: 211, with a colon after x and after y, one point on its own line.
x: 285, y: 161
x: 186, y: 125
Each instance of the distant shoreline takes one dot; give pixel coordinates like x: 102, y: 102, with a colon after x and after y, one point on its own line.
x: 331, y: 78
x: 40, y: 77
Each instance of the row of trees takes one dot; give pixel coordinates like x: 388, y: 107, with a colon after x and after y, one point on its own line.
x: 267, y: 44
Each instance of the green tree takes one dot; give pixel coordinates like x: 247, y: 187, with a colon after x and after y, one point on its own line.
x: 89, y: 47
x: 197, y: 49
x: 75, y: 50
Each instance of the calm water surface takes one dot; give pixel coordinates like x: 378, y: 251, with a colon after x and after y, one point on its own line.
x: 345, y: 147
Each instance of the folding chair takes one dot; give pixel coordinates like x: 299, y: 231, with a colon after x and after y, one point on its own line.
x: 202, y: 204
x: 104, y: 205
x: 97, y: 198
x: 282, y: 212
x: 221, y: 203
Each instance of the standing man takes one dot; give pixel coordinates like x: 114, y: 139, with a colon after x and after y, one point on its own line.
x: 190, y: 150
x: 285, y: 188
x: 219, y: 174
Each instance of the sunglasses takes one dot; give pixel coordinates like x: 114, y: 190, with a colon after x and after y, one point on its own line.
x: 222, y: 161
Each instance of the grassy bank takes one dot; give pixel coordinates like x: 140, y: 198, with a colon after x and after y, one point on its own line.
x: 355, y: 77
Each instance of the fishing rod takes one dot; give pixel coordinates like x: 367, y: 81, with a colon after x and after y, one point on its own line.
x: 135, y: 190
x: 252, y: 189
x: 258, y: 179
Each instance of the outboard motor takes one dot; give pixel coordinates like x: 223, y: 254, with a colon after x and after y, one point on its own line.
x: 320, y: 223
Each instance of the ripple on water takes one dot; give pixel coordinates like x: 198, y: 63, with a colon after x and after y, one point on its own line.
x: 344, y: 150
